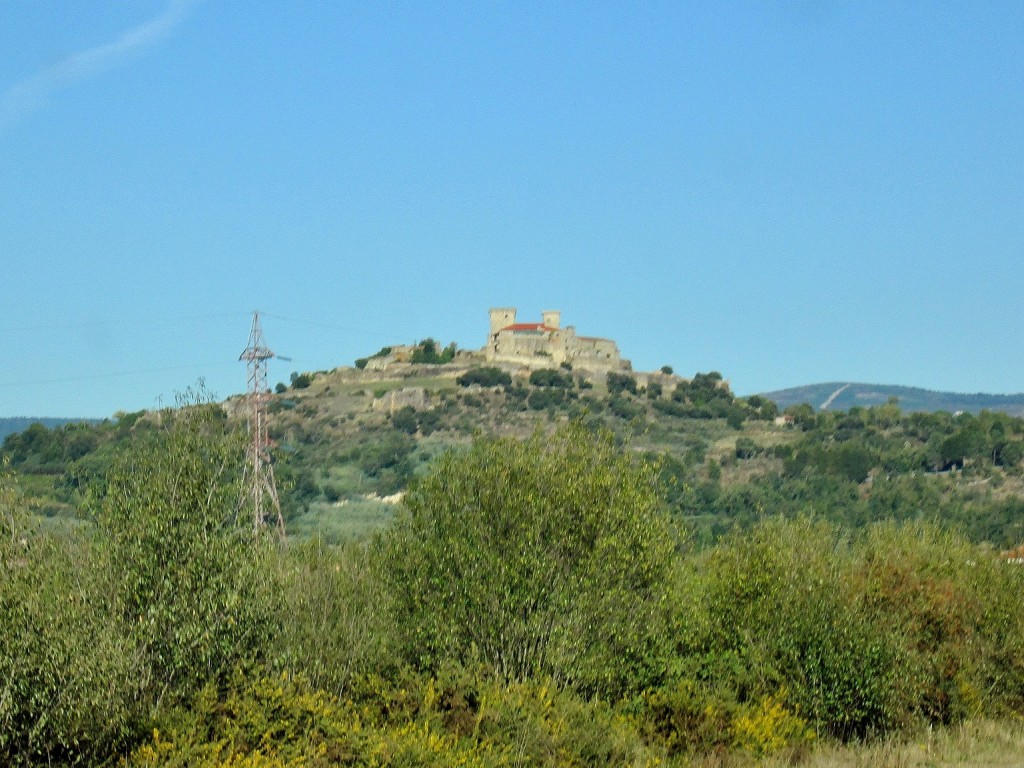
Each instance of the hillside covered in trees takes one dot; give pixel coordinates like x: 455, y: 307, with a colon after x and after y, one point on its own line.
x: 636, y: 569
x: 841, y: 396
x: 349, y: 440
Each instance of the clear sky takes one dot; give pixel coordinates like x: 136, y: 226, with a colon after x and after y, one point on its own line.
x: 787, y: 192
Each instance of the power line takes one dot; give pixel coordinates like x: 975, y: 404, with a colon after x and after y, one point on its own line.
x: 135, y: 322
x: 328, y: 326
x: 111, y: 375
x: 374, y: 333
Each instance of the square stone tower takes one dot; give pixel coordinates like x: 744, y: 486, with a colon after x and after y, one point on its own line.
x: 551, y: 318
x: 502, y: 317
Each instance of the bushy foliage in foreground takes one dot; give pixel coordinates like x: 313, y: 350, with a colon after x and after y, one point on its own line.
x: 164, y: 593
x: 531, y: 607
x: 547, y: 557
x: 451, y: 720
x: 69, y: 676
x: 186, y: 572
x: 902, y: 625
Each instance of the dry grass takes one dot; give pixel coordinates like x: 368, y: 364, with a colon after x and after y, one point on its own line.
x: 977, y: 744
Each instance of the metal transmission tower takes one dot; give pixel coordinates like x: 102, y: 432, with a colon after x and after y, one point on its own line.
x: 259, y: 490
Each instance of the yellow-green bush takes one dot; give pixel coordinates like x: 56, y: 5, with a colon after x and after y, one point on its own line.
x: 69, y: 677
x: 684, y: 716
x: 259, y: 720
x: 188, y: 576
x: 278, y: 722
x: 769, y: 727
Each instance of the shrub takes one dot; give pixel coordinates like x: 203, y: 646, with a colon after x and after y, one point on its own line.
x: 535, y: 723
x: 548, y: 556
x: 625, y: 408
x: 686, y: 716
x: 429, y: 421
x: 259, y: 721
x: 541, y: 399
x: 386, y: 451
x: 735, y: 417
x: 773, y: 609
x: 958, y: 610
x: 746, y: 448
x: 485, y: 377
x: 405, y: 420
x: 188, y: 576
x: 69, y: 676
x: 426, y: 353
x: 769, y: 727
x: 334, y: 629
x: 620, y: 382
x: 549, y: 377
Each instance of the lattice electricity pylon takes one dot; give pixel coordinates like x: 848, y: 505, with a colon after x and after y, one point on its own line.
x: 259, y: 490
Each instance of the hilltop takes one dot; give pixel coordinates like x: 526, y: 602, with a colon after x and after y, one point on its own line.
x: 348, y: 441
x: 841, y: 396
x: 351, y: 438
x: 10, y: 425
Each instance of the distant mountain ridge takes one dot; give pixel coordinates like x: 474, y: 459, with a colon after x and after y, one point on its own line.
x: 10, y: 425
x: 843, y: 395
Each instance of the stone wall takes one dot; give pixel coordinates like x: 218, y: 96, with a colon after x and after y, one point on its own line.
x: 396, y: 399
x: 547, y: 344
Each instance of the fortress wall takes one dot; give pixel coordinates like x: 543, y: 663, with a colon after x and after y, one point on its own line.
x: 502, y: 317
x: 549, y: 347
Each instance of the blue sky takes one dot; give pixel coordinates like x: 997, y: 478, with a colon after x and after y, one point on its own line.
x: 786, y: 192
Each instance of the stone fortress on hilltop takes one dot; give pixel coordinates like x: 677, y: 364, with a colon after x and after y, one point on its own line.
x: 547, y: 343
x: 521, y: 345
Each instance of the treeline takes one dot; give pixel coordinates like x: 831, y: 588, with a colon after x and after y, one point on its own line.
x: 425, y: 352
x: 536, y: 602
x: 706, y: 396
x: 850, y: 468
x: 866, y: 465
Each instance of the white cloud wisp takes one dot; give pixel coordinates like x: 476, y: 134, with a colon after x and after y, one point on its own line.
x: 33, y: 92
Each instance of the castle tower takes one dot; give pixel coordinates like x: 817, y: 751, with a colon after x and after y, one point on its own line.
x: 551, y: 318
x: 502, y: 317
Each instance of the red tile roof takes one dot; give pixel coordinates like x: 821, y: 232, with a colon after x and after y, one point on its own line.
x: 528, y: 327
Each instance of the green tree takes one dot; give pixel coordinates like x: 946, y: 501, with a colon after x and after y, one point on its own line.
x: 188, y: 575
x: 426, y: 353
x: 620, y: 382
x: 549, y: 377
x: 405, y: 420
x: 68, y: 674
x: 853, y: 461
x: 485, y: 377
x: 549, y: 556
x: 302, y: 380
x: 735, y: 417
